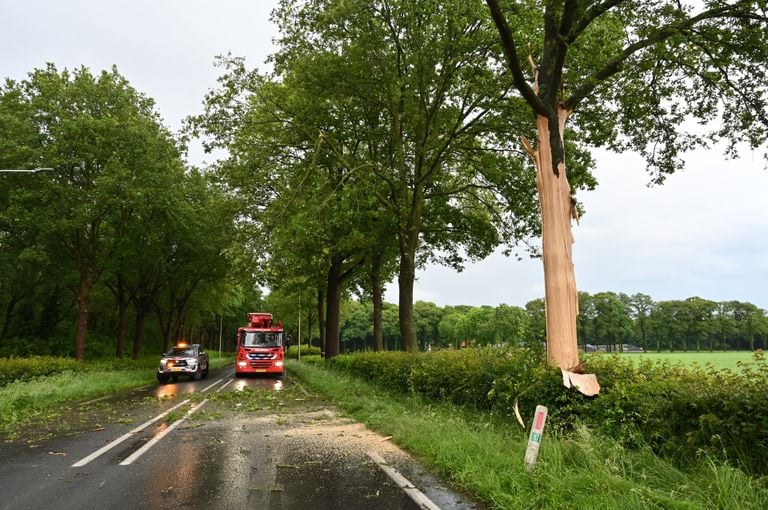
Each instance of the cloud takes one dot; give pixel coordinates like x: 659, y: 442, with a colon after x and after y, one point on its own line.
x: 704, y: 232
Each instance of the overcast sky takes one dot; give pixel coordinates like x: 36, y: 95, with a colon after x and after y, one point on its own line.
x: 703, y: 233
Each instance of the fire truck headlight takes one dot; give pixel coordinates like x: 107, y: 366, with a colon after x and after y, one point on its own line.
x: 278, y: 363
x: 241, y: 363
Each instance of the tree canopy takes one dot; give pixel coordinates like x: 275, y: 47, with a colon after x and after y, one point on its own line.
x: 659, y: 78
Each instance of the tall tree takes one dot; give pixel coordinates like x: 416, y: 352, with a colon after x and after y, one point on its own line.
x: 96, y: 131
x: 627, y: 74
x: 641, y: 305
x: 422, y: 76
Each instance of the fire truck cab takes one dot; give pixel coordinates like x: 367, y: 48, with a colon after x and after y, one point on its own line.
x: 260, y: 348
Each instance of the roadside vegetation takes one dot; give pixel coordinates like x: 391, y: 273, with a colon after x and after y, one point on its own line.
x: 37, y: 388
x: 482, y: 451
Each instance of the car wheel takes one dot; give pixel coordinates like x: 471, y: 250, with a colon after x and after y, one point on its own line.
x: 198, y: 374
x: 175, y: 378
x: 205, y: 373
x: 163, y: 378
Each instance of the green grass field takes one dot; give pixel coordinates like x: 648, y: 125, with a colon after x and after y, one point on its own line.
x: 729, y: 359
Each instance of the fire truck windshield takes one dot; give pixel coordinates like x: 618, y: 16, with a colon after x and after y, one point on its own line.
x: 262, y: 339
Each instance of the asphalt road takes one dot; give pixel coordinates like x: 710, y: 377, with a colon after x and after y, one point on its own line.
x: 220, y: 443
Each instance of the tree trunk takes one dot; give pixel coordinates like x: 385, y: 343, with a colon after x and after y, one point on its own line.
x: 405, y: 282
x: 332, y: 309
x: 83, y: 296
x: 377, y: 291
x: 321, y: 320
x: 9, y: 309
x: 138, y: 332
x: 122, y: 319
x: 557, y: 240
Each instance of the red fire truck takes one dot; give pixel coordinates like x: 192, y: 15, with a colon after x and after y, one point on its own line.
x: 260, y: 346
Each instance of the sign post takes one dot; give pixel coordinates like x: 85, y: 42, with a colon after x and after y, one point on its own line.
x: 534, y: 439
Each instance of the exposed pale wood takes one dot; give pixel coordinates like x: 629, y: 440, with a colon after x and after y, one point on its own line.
x: 557, y: 240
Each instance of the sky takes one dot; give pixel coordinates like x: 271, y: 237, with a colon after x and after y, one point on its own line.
x: 703, y: 233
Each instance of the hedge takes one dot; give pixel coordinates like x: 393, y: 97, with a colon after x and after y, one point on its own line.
x: 681, y: 412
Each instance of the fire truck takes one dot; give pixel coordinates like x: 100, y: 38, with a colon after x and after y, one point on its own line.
x: 260, y: 347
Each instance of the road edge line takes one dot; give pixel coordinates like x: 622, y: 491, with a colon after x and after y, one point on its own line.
x: 415, y: 494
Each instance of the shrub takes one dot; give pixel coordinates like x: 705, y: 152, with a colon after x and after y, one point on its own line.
x: 22, y: 369
x: 680, y: 412
x: 293, y: 351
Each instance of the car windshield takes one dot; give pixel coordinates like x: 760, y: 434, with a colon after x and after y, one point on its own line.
x: 183, y: 351
x: 262, y: 339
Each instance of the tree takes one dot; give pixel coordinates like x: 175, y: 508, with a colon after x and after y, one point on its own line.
x: 422, y: 77
x: 748, y: 321
x: 427, y: 318
x: 97, y: 132
x: 725, y: 322
x: 294, y: 157
x: 696, y: 320
x: 627, y: 75
x: 612, y: 319
x: 641, y: 306
x: 510, y: 324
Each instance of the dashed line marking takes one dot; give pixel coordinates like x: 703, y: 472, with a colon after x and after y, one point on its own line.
x: 109, y: 446
x: 211, y: 386
x: 152, y: 442
x: 225, y: 385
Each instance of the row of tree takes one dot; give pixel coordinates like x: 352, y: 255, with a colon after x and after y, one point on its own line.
x: 390, y: 134
x: 608, y: 321
x: 119, y: 231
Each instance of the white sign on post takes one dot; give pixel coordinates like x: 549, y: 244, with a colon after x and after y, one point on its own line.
x: 534, y: 439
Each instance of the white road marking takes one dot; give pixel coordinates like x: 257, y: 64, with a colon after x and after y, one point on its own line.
x: 152, y: 442
x: 211, y: 386
x: 225, y: 385
x: 402, y: 482
x: 94, y: 400
x: 122, y: 438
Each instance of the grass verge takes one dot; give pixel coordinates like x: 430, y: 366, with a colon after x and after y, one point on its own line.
x: 40, y: 397
x: 485, y: 457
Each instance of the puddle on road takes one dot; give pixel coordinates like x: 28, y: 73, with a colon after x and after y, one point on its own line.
x: 328, y: 484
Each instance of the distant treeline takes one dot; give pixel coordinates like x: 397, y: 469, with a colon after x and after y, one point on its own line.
x: 607, y: 319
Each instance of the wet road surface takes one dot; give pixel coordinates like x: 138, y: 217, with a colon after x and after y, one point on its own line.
x: 248, y: 443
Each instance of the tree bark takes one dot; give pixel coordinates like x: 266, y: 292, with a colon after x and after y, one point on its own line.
x: 138, y: 332
x: 122, y: 315
x: 83, y: 297
x: 378, y: 305
x: 321, y: 320
x: 332, y: 309
x: 405, y: 280
x: 557, y: 240
x: 8, y: 316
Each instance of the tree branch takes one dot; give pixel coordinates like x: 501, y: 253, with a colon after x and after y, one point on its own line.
x: 663, y: 33
x: 594, y: 12
x: 513, y: 62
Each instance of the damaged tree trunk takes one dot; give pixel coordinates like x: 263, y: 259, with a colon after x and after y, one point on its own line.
x: 557, y: 210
